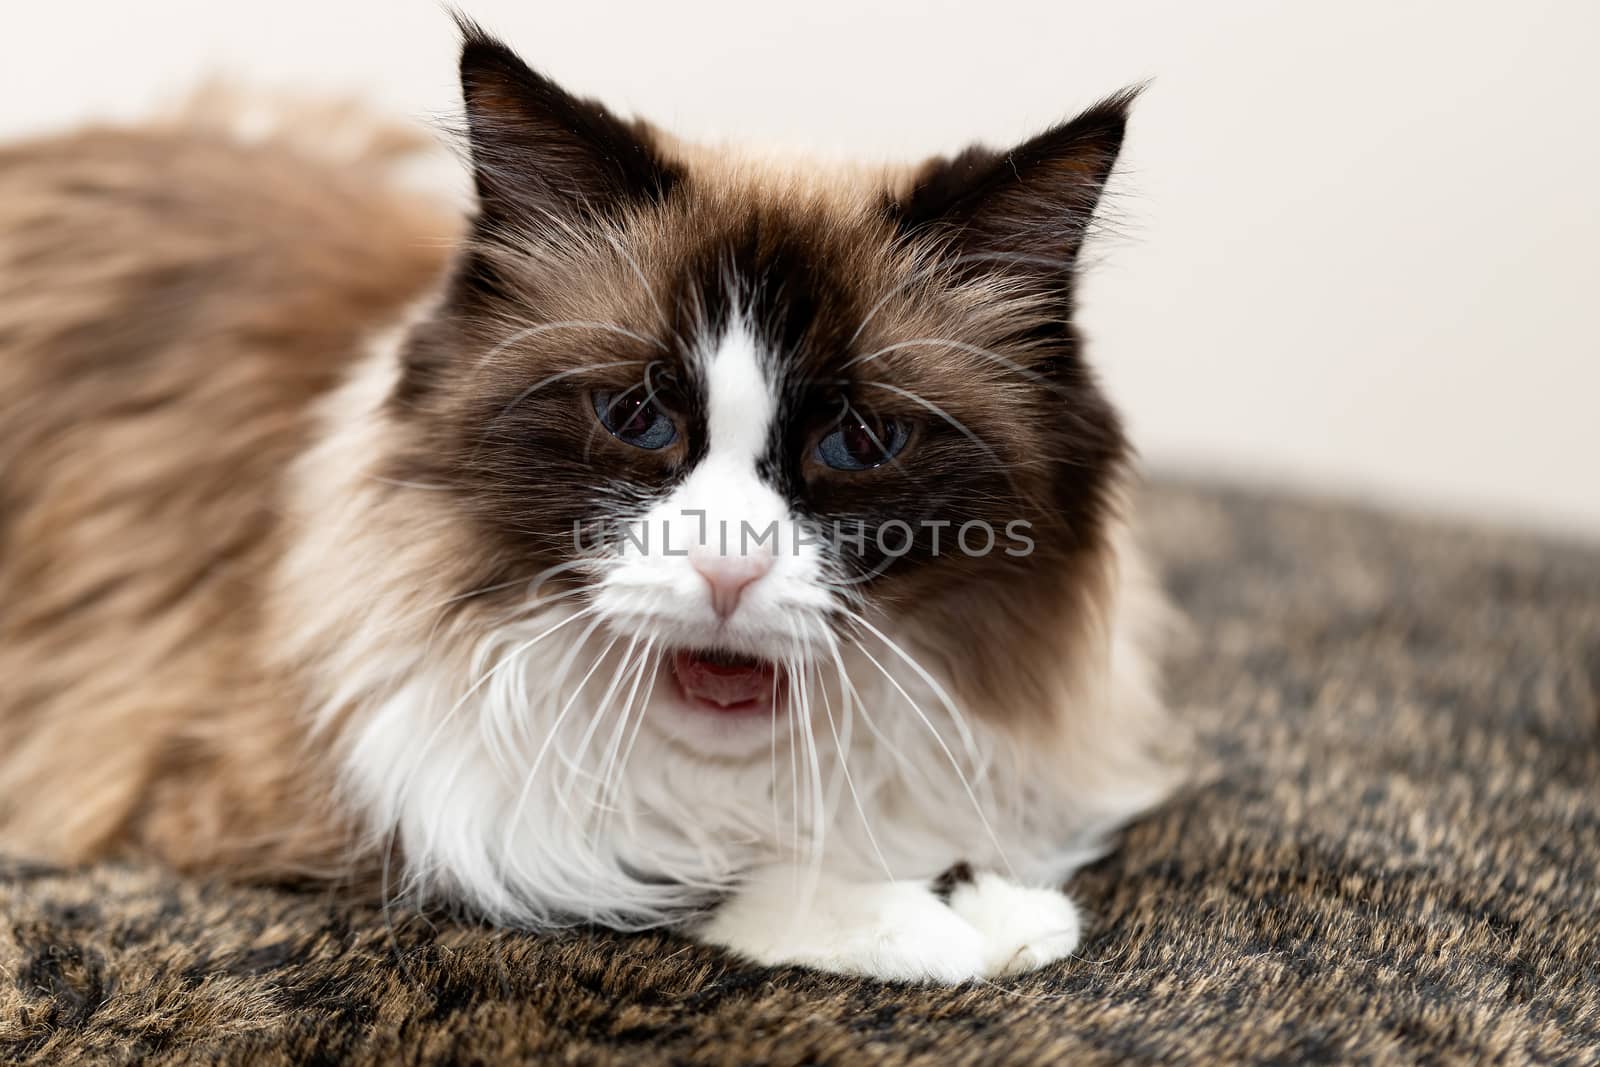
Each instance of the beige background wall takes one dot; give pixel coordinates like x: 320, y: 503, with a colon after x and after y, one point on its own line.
x: 1359, y: 240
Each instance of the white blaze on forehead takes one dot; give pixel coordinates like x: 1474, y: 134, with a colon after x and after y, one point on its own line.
x: 726, y: 506
x: 738, y: 398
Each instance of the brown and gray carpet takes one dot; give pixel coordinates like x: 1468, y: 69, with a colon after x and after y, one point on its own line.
x: 1396, y: 862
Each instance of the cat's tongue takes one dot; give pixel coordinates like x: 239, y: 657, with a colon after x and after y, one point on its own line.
x: 725, y: 683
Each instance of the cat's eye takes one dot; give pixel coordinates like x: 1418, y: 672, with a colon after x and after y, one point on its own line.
x: 858, y: 444
x: 633, y: 417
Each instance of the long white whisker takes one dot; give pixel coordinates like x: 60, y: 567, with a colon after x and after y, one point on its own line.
x: 511, y: 734
x: 525, y: 608
x: 960, y: 346
x: 623, y: 670
x: 959, y: 426
x: 504, y: 662
x: 408, y: 782
x: 842, y: 746
x: 565, y: 324
x: 613, y: 784
x: 955, y: 764
x: 633, y: 735
x: 819, y: 806
x: 939, y: 691
x: 637, y: 673
x: 777, y: 823
x: 517, y: 809
x: 910, y: 770
x: 794, y: 783
x: 559, y: 375
x: 597, y: 801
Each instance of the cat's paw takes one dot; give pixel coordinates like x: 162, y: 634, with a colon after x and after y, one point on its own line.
x: 1022, y: 928
x: 886, y: 930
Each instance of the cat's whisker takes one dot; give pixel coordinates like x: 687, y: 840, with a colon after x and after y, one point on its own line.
x: 912, y: 773
x: 545, y: 327
x: 934, y: 262
x: 590, y: 564
x: 772, y: 754
x: 796, y: 665
x: 794, y: 785
x: 511, y: 658
x: 416, y: 873
x: 519, y: 807
x: 958, y: 425
x: 505, y: 735
x: 799, y: 676
x: 623, y: 713
x: 401, y: 483
x: 562, y: 375
x: 960, y: 346
x: 597, y: 712
x: 800, y: 752
x: 647, y: 288
x: 842, y: 746
x: 611, y: 773
x: 518, y: 728
x: 968, y: 738
x: 633, y: 735
x: 402, y: 623
x: 939, y: 691
x: 955, y: 764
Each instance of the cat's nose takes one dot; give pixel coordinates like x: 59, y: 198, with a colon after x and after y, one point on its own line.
x: 729, y: 576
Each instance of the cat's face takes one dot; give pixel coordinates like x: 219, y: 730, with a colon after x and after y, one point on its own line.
x: 741, y: 418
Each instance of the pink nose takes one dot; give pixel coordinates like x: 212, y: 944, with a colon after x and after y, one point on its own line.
x: 729, y: 576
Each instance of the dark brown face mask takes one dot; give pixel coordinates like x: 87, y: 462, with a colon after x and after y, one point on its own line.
x: 915, y: 344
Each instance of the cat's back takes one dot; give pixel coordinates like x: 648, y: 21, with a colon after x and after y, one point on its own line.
x: 172, y: 302
x: 142, y: 269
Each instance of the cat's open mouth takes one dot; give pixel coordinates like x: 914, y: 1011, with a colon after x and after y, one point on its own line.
x: 726, y: 683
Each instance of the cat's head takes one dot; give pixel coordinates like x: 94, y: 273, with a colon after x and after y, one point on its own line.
x: 758, y: 437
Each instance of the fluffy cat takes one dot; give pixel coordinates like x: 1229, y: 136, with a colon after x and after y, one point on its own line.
x: 681, y: 538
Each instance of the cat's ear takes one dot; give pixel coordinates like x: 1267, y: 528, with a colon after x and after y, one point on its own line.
x: 538, y: 151
x: 1028, y: 208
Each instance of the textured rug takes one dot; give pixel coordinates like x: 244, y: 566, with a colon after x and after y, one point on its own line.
x: 1394, y: 859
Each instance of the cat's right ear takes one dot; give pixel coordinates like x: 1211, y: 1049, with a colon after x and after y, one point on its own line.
x: 540, y: 153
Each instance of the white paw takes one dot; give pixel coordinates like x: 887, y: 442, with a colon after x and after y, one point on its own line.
x: 1022, y: 928
x: 888, y: 930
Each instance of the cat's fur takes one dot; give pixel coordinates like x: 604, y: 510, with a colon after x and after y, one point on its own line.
x: 293, y: 462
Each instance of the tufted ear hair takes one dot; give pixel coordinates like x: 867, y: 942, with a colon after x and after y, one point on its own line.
x: 538, y: 151
x: 1029, y: 207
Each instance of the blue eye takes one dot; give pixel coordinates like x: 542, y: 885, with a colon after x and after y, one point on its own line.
x: 856, y: 445
x: 635, y: 419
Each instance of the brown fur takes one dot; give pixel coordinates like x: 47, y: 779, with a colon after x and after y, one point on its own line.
x: 171, y: 302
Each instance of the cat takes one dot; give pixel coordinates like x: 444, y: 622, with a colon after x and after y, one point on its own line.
x: 674, y: 537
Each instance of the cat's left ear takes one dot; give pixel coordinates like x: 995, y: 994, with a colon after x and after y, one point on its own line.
x: 540, y: 153
x: 1028, y: 208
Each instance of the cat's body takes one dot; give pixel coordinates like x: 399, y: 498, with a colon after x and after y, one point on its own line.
x: 173, y: 302
x: 297, y: 482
